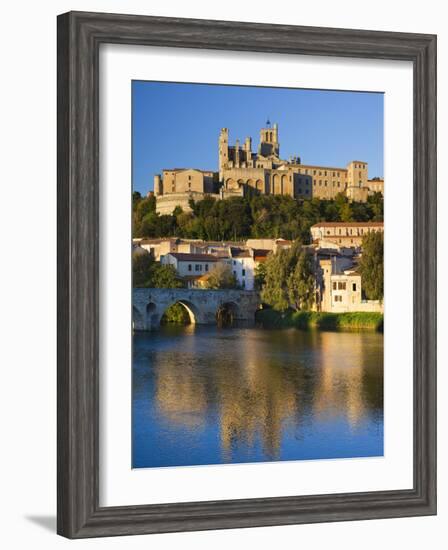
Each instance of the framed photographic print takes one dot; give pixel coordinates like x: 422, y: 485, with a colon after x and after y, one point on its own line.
x: 246, y: 274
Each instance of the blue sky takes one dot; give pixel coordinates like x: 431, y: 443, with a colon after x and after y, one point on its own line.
x: 177, y: 125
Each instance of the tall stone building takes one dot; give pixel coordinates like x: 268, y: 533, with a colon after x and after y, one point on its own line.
x: 241, y: 170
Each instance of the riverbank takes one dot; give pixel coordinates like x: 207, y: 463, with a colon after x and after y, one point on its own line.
x: 269, y: 318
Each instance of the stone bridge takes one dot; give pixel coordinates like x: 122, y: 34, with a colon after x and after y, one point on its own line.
x: 149, y: 305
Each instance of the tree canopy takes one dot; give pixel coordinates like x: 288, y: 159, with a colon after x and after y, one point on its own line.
x: 253, y: 216
x: 371, y: 265
x: 288, y: 279
x: 221, y: 276
x: 147, y: 273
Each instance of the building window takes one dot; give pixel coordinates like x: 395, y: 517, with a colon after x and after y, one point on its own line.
x: 326, y: 183
x: 189, y: 267
x: 341, y: 286
x: 243, y: 272
x: 314, y: 172
x: 335, y: 286
x: 334, y: 173
x: 354, y: 287
x: 197, y: 267
x: 320, y: 182
x: 338, y: 298
x: 328, y: 232
x: 206, y: 267
x: 325, y: 173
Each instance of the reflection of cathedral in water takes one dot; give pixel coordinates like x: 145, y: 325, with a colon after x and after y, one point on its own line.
x: 260, y: 395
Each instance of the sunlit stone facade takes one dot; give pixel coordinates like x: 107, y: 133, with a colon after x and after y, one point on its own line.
x: 264, y: 172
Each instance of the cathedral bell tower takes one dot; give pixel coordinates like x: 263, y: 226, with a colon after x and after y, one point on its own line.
x: 269, y: 145
x: 223, y: 151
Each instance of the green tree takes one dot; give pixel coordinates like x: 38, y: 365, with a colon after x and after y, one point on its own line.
x: 136, y: 198
x: 300, y: 282
x: 376, y: 207
x: 254, y: 215
x: 221, y: 277
x: 142, y: 265
x: 164, y: 276
x: 346, y: 212
x: 289, y: 279
x: 260, y: 276
x: 371, y: 265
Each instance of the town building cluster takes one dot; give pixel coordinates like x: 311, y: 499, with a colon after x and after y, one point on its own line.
x: 241, y: 171
x: 336, y: 249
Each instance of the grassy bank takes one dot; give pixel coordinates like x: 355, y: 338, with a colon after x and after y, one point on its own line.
x: 270, y: 318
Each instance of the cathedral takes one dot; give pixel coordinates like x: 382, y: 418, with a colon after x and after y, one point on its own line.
x: 242, y: 170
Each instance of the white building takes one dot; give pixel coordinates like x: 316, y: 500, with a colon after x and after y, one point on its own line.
x: 339, y: 290
x: 243, y: 267
x: 160, y: 247
x: 190, y: 266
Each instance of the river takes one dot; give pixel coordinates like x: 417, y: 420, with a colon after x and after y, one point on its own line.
x: 203, y: 395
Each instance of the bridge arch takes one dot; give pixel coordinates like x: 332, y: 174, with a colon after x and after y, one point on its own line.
x: 191, y: 309
x: 138, y: 322
x: 227, y: 313
x: 152, y: 317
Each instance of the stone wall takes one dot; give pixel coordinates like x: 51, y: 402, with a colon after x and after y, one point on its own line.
x: 149, y: 305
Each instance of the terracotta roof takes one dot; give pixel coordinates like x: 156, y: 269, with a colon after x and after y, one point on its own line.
x: 184, y: 257
x: 147, y: 240
x: 260, y: 252
x: 348, y: 224
x: 332, y: 168
x: 185, y: 169
x: 240, y: 253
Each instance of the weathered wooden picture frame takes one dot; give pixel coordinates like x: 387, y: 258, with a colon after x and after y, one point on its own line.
x: 79, y: 38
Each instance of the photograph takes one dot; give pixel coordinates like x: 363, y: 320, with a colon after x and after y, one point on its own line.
x: 257, y: 269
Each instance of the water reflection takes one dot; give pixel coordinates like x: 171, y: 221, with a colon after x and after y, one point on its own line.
x: 205, y: 396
